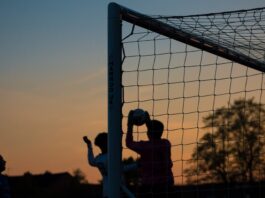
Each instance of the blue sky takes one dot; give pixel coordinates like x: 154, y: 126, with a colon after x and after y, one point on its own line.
x: 53, y: 75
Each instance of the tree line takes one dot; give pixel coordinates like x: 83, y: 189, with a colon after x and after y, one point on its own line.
x: 232, y: 148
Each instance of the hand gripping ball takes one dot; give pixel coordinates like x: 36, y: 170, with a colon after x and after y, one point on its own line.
x: 139, y: 117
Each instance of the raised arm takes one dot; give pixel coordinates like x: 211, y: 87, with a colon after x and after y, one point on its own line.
x: 129, y: 135
x: 130, y: 143
x: 90, y: 154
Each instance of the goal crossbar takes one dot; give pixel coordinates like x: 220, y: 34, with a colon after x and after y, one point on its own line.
x: 169, y: 31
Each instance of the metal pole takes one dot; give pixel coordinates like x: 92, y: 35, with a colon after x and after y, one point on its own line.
x: 114, y: 101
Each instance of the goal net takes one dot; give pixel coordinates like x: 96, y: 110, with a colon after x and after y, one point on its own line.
x: 203, y: 77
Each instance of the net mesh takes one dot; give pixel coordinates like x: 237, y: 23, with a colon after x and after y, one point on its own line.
x: 212, y: 108
x: 242, y: 31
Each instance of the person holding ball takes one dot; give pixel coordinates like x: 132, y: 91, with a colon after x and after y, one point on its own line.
x: 155, y: 157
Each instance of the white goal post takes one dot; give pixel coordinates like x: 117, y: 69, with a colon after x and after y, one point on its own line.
x: 114, y: 101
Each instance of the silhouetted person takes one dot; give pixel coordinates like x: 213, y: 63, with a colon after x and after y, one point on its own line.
x: 4, y: 186
x: 155, y: 158
x: 100, y: 161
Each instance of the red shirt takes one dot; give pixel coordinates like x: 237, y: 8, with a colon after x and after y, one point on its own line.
x: 155, y: 160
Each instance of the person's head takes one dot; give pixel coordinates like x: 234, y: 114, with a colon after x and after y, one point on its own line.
x: 102, y: 141
x: 2, y: 164
x: 155, y: 129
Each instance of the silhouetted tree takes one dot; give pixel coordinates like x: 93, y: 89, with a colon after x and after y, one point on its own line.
x: 80, y: 176
x: 248, y: 130
x: 233, y: 147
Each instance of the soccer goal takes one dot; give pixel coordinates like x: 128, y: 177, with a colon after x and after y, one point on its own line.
x: 203, y: 77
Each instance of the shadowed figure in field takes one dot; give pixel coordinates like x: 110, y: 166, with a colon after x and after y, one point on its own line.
x: 155, y: 158
x: 101, y: 161
x: 4, y: 186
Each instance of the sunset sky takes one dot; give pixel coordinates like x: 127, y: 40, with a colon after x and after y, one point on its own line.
x: 53, y: 79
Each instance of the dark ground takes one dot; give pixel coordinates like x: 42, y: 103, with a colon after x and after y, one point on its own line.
x: 63, y: 185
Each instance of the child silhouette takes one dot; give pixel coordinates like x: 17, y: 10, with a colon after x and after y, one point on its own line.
x: 155, y: 157
x: 100, y: 161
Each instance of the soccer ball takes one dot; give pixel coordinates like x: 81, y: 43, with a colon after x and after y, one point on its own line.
x: 139, y: 117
